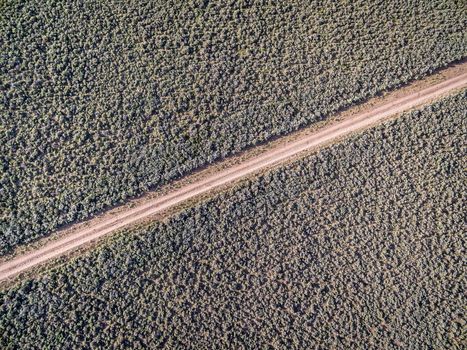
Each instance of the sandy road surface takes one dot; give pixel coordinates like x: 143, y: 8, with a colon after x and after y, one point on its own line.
x: 273, y: 156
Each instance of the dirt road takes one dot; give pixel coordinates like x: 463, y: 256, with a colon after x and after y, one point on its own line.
x: 226, y: 176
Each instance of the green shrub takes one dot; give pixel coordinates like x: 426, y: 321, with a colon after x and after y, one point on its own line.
x: 102, y: 100
x: 357, y: 247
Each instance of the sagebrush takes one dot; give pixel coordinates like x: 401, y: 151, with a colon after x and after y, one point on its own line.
x: 102, y: 100
x: 360, y: 246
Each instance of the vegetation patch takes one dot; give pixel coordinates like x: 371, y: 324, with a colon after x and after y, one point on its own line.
x: 357, y: 247
x: 102, y: 100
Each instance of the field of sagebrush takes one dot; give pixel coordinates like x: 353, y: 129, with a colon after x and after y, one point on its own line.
x: 103, y: 100
x: 359, y: 246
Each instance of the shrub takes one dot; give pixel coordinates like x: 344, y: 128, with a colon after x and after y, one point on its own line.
x: 358, y: 246
x: 104, y: 100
